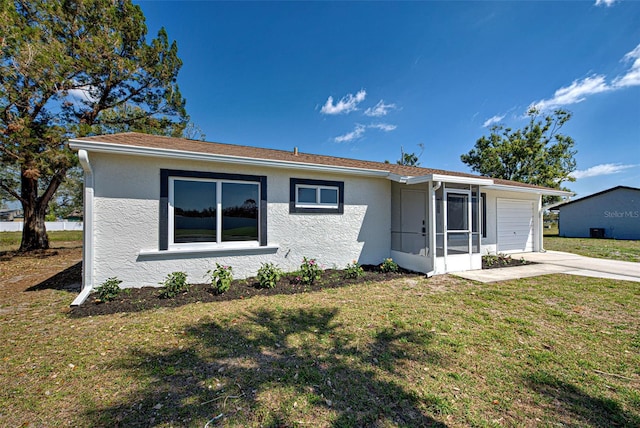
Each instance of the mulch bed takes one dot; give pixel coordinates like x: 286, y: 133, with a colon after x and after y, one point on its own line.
x: 501, y: 261
x: 145, y: 298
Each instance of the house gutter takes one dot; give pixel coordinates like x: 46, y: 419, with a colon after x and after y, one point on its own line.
x: 449, y: 179
x: 87, y: 247
x: 179, y: 154
x: 537, y: 191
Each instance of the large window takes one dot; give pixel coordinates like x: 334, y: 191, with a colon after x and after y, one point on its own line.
x: 316, y: 196
x: 200, y: 209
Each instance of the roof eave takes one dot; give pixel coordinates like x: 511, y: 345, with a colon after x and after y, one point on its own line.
x: 409, y: 180
x: 101, y: 147
x: 536, y: 190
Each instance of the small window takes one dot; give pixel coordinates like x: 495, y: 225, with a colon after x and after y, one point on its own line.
x: 316, y: 196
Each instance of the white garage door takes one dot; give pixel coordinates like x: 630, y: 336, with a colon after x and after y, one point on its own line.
x: 515, y: 225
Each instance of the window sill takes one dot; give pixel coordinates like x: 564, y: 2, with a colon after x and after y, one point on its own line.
x: 220, y: 251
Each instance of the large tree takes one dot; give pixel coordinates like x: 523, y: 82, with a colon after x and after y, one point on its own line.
x: 72, y: 68
x: 537, y: 154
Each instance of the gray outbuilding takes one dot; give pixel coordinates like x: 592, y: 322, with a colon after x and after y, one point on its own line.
x: 612, y: 213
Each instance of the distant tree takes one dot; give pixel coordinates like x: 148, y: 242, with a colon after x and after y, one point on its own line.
x: 69, y: 197
x: 72, y: 68
x: 537, y: 154
x: 410, y: 159
x: 193, y: 132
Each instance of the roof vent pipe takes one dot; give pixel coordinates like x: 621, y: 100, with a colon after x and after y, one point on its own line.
x: 295, y: 151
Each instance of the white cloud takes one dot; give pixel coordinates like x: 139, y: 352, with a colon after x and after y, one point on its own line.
x: 83, y: 93
x: 380, y: 109
x: 606, y: 3
x: 347, y: 104
x: 360, y: 129
x: 382, y: 126
x: 350, y: 136
x: 632, y: 78
x: 579, y: 90
x: 602, y: 169
x: 492, y: 120
x: 574, y: 93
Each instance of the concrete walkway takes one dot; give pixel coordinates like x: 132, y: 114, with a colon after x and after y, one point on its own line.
x: 558, y: 262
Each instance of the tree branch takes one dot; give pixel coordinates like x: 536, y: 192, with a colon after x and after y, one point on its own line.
x: 55, y: 182
x: 12, y: 192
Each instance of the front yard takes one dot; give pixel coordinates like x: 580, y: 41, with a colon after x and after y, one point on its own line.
x: 406, y: 352
x: 615, y: 249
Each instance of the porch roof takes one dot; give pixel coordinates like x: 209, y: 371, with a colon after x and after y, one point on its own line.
x: 134, y: 143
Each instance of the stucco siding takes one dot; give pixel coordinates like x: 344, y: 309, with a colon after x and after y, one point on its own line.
x: 616, y: 212
x: 127, y: 216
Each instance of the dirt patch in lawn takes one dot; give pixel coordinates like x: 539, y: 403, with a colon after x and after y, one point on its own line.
x: 58, y: 268
x: 140, y: 299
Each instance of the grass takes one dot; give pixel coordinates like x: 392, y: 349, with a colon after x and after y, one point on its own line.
x: 10, y: 241
x: 425, y: 352
x: 600, y: 248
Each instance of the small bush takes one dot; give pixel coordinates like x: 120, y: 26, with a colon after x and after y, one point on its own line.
x: 500, y: 259
x: 174, y: 284
x: 221, y: 278
x: 309, y: 271
x: 109, y: 289
x: 353, y: 270
x: 388, y: 265
x: 269, y: 275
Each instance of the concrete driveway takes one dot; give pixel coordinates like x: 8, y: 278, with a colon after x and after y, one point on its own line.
x: 558, y: 262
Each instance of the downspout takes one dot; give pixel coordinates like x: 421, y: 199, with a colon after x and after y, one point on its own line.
x: 541, y: 226
x: 87, y: 247
x: 434, y: 185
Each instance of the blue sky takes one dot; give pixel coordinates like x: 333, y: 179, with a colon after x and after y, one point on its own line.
x: 360, y: 79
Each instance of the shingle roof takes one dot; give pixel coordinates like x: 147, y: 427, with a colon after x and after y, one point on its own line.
x: 557, y: 207
x: 136, y: 139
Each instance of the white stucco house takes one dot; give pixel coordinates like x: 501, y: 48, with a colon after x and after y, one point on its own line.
x: 154, y: 205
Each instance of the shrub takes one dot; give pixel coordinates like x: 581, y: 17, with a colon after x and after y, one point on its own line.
x: 388, y: 265
x: 109, y: 289
x: 174, y: 284
x: 269, y: 275
x: 221, y: 278
x: 309, y: 271
x: 353, y: 270
x: 500, y: 259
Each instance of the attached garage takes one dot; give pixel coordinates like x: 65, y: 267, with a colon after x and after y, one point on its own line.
x: 515, y: 225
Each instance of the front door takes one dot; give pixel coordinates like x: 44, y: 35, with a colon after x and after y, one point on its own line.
x: 458, y: 233
x: 413, y: 218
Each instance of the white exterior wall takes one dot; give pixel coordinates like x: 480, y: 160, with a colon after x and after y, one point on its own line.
x: 126, y: 212
x: 489, y: 244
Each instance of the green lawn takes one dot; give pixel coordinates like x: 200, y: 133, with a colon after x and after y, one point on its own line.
x: 600, y: 248
x: 10, y: 241
x: 547, y: 351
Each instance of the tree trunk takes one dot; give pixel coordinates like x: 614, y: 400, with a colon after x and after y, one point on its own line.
x: 34, y: 232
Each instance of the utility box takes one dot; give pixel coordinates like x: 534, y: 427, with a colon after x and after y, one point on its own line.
x: 596, y: 232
